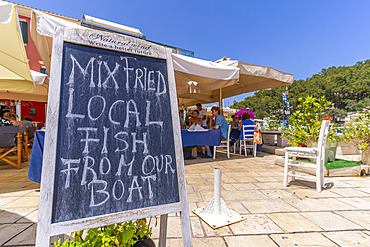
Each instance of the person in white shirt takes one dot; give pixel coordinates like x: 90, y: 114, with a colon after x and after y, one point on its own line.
x: 202, y: 114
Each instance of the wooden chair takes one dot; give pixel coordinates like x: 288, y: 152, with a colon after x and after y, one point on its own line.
x: 224, y: 144
x: 248, y: 135
x: 317, y: 153
x: 8, y: 146
x: 28, y: 137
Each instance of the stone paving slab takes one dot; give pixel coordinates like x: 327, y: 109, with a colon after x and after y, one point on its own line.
x: 302, y: 239
x: 12, y: 215
x: 250, y: 241
x: 320, y: 204
x: 268, y: 206
x: 255, y: 224
x: 27, y: 237
x: 357, y: 202
x: 350, y: 238
x: 8, y: 231
x: 349, y: 192
x: 278, y: 194
x: 361, y: 218
x: 330, y: 221
x: 309, y: 193
x: 293, y: 222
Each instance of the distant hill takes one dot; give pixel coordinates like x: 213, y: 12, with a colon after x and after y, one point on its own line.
x: 348, y: 87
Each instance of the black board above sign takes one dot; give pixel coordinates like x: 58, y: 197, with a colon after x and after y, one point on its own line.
x: 115, y: 149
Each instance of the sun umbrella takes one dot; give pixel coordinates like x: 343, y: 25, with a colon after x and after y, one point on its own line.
x: 254, y: 77
x: 15, y: 73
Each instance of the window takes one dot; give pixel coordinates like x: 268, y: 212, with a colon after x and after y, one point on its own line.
x: 43, y: 70
x: 24, y: 29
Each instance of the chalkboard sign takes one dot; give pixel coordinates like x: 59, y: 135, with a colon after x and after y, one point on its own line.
x: 112, y: 139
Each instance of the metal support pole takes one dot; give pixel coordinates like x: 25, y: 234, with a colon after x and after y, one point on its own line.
x: 220, y: 103
x: 217, y: 191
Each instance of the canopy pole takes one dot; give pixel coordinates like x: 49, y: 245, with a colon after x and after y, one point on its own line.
x: 220, y: 102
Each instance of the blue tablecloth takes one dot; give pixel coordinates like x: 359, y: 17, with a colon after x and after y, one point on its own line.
x: 34, y: 172
x: 206, y: 138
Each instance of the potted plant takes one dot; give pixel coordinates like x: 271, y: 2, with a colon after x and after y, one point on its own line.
x: 132, y: 233
x: 305, y: 124
x: 357, y: 132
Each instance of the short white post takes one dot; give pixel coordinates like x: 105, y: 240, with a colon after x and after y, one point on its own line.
x: 217, y: 191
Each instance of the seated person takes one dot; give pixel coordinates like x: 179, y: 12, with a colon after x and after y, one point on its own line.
x: 5, y: 121
x: 235, y: 132
x: 202, y: 115
x: 220, y: 123
x: 10, y: 117
x: 195, y: 119
x: 26, y: 122
x: 246, y: 120
x: 13, y: 118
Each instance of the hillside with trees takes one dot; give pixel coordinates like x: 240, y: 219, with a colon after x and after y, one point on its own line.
x: 347, y: 87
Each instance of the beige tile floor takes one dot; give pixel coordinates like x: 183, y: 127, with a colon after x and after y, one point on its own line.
x: 275, y: 216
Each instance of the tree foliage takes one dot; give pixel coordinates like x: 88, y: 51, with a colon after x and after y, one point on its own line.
x: 347, y: 87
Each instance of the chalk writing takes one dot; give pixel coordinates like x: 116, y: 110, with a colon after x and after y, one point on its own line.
x: 115, y: 148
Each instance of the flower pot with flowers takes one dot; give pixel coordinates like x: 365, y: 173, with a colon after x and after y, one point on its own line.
x: 357, y: 133
x: 305, y: 124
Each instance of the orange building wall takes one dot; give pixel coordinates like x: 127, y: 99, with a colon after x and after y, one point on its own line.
x: 33, y: 61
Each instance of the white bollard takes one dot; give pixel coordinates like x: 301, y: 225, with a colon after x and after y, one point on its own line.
x: 216, y: 213
x: 217, y: 191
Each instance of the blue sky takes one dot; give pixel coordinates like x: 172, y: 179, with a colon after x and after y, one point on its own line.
x: 298, y: 37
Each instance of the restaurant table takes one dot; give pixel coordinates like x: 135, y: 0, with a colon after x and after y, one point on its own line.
x: 201, y: 138
x: 34, y: 171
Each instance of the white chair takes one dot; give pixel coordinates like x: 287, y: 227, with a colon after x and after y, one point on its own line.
x: 224, y: 144
x: 248, y: 135
x: 316, y: 152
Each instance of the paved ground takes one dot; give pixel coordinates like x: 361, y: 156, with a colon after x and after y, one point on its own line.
x: 275, y: 215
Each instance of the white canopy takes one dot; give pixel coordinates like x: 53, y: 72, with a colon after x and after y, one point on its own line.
x: 196, y: 80
x: 192, y: 75
x: 196, y: 76
x: 254, y: 77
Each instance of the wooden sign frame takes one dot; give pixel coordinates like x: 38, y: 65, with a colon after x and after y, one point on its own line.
x: 45, y: 227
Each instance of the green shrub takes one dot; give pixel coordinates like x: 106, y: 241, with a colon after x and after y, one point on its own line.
x: 120, y: 235
x: 357, y: 133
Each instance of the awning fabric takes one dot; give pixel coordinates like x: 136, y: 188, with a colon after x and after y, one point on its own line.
x: 15, y: 73
x: 42, y: 31
x: 194, y: 75
x: 251, y: 78
x: 196, y: 80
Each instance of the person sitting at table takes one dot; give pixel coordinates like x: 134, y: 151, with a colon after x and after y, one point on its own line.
x: 13, y: 118
x: 202, y: 114
x: 235, y: 132
x: 246, y: 120
x: 195, y: 119
x: 220, y: 123
x: 5, y: 121
x: 26, y: 122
